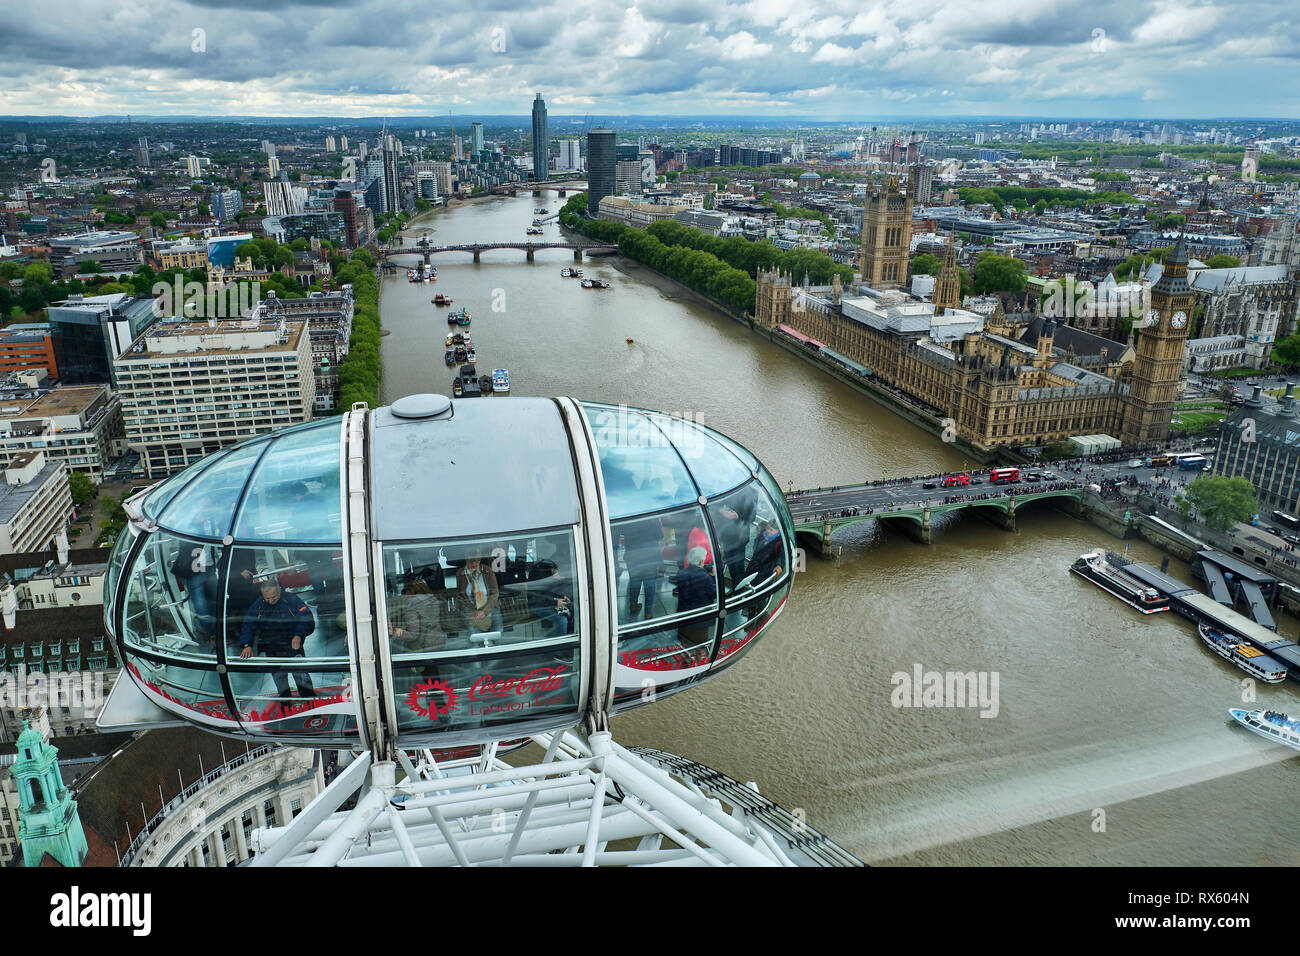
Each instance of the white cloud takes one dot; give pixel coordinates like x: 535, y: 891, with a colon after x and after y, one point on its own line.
x: 834, y: 53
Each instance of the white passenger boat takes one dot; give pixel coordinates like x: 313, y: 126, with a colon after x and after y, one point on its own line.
x: 1276, y: 726
x: 1236, y: 651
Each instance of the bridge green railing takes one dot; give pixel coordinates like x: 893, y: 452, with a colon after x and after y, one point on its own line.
x: 923, y: 513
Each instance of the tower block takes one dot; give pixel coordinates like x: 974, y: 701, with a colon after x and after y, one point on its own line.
x: 1157, y: 368
x: 886, y: 235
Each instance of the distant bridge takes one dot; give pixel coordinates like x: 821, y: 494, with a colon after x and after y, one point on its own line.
x: 820, y: 513
x: 477, y: 248
x: 562, y: 185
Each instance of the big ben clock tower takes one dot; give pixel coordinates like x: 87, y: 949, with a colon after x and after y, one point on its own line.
x: 1157, y: 370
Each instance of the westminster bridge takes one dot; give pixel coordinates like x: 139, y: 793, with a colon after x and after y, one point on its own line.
x: 911, y: 507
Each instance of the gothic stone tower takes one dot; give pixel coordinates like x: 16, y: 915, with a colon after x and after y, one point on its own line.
x: 47, y: 814
x: 1153, y: 386
x: 947, y: 285
x: 886, y: 235
x: 772, y: 299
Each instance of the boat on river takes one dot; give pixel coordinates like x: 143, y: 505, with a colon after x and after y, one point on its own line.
x: 500, y: 381
x: 571, y: 273
x: 441, y: 299
x: 1272, y: 724
x: 1235, y: 650
x: 595, y: 284
x: 1112, y: 579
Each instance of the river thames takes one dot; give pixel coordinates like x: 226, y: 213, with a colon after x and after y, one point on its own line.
x: 1108, y: 741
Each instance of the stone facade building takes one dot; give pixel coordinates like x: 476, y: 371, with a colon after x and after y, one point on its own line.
x: 1002, y: 380
x: 886, y: 235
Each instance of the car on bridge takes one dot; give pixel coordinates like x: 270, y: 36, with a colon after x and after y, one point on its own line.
x: 929, y: 484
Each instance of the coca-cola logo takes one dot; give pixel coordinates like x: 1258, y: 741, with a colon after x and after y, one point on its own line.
x: 421, y: 699
x: 541, y: 680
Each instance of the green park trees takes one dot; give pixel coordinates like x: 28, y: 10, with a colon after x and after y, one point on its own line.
x: 925, y: 265
x: 994, y: 273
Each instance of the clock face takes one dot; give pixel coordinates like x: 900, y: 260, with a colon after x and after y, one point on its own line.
x: 1153, y: 317
x: 1179, y: 320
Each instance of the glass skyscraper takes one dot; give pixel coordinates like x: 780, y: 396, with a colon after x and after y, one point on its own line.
x: 602, y: 164
x: 540, y: 143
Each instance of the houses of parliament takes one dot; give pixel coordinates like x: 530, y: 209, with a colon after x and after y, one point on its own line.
x: 1004, y: 380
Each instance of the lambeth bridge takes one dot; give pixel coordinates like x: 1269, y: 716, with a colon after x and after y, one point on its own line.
x: 911, y: 507
x: 426, y: 249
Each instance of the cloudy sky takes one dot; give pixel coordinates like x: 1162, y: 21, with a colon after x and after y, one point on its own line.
x: 832, y: 59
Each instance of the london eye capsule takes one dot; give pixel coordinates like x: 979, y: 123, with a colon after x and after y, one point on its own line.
x: 443, y: 574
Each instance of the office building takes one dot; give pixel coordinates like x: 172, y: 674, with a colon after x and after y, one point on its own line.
x: 476, y: 139
x: 627, y: 177
x: 190, y: 388
x: 647, y: 161
x: 570, y: 155
x: 1261, y: 442
x: 634, y: 212
x: 602, y: 167
x: 81, y: 426
x: 142, y: 157
x: 91, y: 331
x: 272, y: 167
x: 115, y: 251
x: 330, y: 145
x: 541, y: 142
x: 343, y: 143
x: 25, y: 346
x: 35, y: 503
x: 307, y: 225
x: 192, y: 166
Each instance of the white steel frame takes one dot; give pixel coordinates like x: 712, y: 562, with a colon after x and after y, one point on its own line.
x: 585, y: 795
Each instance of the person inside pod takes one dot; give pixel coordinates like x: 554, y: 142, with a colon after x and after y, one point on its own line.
x: 279, y: 624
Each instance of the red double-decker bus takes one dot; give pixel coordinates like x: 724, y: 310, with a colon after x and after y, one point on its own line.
x: 999, y: 476
x: 955, y: 481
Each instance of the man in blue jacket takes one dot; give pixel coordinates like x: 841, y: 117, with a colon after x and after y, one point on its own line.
x: 280, y: 622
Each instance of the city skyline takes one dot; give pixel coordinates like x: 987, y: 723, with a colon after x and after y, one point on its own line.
x: 833, y: 61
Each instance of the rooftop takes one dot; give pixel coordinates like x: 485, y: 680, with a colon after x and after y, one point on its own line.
x: 45, y: 625
x: 67, y: 400
x: 13, y: 497
x: 218, y: 337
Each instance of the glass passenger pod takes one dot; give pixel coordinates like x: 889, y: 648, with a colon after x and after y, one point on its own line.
x: 485, y: 589
x: 228, y: 607
x: 703, y: 548
x: 481, y: 583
